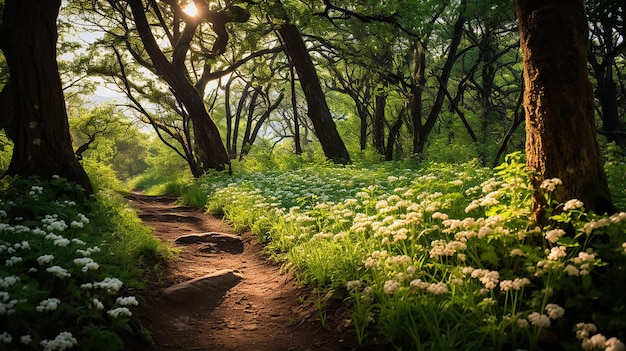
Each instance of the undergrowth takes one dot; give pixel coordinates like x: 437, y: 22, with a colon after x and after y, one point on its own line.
x: 71, y: 266
x: 438, y: 256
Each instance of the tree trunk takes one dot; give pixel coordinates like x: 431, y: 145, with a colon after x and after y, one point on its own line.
x: 606, y: 92
x: 558, y: 100
x: 210, y: 150
x: 378, y: 123
x: 424, y: 128
x: 318, y: 111
x: 418, y: 78
x: 39, y: 126
x: 294, y: 108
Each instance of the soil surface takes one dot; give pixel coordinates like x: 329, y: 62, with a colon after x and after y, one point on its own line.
x: 221, y: 293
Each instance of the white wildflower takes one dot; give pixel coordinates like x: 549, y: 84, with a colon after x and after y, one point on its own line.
x: 13, y: 260
x: 584, y: 330
x: 550, y: 184
x: 63, y: 341
x: 50, y: 304
x: 554, y: 235
x: 58, y: 271
x: 571, y: 270
x: 391, y: 286
x: 539, y: 320
x: 554, y: 311
x: 87, y: 263
x: 97, y: 304
x: 127, y: 301
x: 120, y: 311
x: 26, y: 339
x: 572, y: 204
x: 557, y: 252
x: 597, y: 341
x: 6, y: 338
x: 8, y: 281
x: 614, y: 344
x: 437, y: 288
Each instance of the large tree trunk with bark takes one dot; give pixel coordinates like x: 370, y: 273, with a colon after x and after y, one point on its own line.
x: 558, y: 99
x: 210, y: 150
x: 422, y: 130
x: 38, y: 123
x: 378, y: 122
x: 418, y: 78
x: 318, y: 111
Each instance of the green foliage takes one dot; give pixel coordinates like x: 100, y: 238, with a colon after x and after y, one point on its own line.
x: 166, y: 171
x: 104, y: 135
x: 438, y: 256
x: 615, y: 168
x: 6, y: 151
x: 69, y: 264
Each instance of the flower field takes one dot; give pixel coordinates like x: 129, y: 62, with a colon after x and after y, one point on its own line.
x: 439, y: 257
x: 69, y: 267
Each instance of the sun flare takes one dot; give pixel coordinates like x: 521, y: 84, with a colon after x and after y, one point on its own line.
x: 190, y: 9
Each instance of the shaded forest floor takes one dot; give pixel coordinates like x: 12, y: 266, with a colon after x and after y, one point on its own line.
x: 220, y: 293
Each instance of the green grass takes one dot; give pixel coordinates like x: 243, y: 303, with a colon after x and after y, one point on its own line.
x: 436, y: 256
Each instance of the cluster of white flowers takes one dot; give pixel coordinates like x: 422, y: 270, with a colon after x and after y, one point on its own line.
x: 52, y: 222
x: 391, y: 286
x: 50, y: 304
x: 573, y: 204
x: 604, y: 222
x: 44, y: 259
x: 127, y: 301
x: 87, y: 252
x: 515, y: 284
x: 13, y: 260
x: 539, y: 320
x: 6, y: 338
x: 35, y: 191
x: 87, y: 263
x: 586, y: 332
x: 442, y: 248
x: 554, y: 235
x: 488, y: 278
x: 433, y: 288
x: 8, y: 281
x: 550, y: 184
x: 63, y: 341
x: 554, y: 311
x: 374, y: 259
x: 59, y: 271
x: 7, y: 305
x: 111, y: 285
x: 97, y: 304
x: 398, y: 260
x: 120, y: 312
x: 80, y: 223
x: 557, y: 252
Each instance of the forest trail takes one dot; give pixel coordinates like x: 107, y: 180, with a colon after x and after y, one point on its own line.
x: 221, y: 294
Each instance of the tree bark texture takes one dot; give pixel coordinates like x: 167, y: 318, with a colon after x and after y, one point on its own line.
x: 558, y: 101
x: 318, y: 112
x: 39, y: 126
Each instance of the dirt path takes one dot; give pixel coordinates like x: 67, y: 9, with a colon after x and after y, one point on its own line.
x: 220, y: 294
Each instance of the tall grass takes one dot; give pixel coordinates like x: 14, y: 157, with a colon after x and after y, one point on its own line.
x: 438, y: 256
